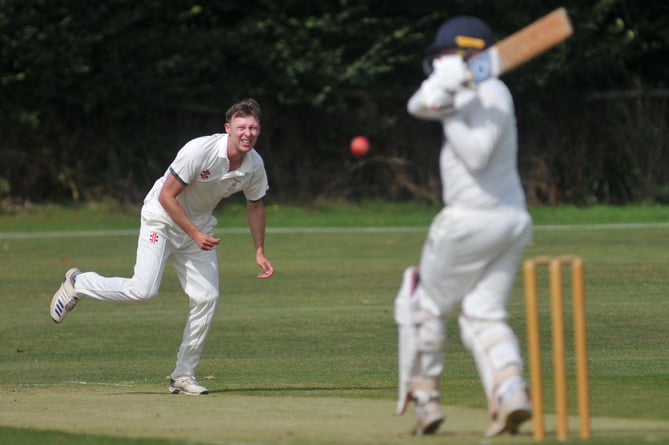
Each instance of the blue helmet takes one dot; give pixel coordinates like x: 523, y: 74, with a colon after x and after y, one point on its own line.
x: 463, y: 32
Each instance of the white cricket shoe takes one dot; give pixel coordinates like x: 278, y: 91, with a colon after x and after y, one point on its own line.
x: 425, y: 395
x: 65, y: 298
x: 428, y: 417
x: 514, y: 409
x: 188, y: 386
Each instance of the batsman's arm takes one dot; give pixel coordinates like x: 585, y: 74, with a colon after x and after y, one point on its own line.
x: 440, y: 95
x: 421, y: 107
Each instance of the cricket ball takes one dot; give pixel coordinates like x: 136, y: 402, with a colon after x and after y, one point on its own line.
x: 359, y: 146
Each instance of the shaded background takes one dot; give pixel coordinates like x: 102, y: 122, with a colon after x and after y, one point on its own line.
x: 97, y: 99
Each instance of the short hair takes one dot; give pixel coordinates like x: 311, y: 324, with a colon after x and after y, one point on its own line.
x: 246, y: 107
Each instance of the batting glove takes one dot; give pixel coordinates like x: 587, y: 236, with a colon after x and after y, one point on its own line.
x: 450, y: 72
x: 449, y: 76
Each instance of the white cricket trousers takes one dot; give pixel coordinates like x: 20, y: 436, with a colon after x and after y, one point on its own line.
x: 470, y: 258
x: 198, y: 274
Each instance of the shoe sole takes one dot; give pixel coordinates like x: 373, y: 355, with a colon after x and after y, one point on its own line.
x: 511, y: 424
x: 175, y: 390
x: 58, y: 308
x: 187, y: 393
x: 57, y: 305
x: 517, y: 418
x: 430, y: 427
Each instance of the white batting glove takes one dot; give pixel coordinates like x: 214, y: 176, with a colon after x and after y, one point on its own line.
x: 449, y: 75
x: 450, y: 72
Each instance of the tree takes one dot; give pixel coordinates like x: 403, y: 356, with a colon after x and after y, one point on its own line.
x: 97, y: 99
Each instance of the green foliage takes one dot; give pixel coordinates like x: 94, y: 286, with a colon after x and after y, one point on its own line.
x: 98, y: 98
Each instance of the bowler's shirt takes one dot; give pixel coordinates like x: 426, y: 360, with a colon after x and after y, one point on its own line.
x: 202, y: 165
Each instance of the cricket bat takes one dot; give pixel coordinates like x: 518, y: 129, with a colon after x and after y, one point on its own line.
x: 521, y: 46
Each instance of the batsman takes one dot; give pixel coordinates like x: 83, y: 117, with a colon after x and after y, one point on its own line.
x: 474, y: 245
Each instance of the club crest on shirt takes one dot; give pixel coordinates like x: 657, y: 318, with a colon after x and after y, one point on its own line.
x: 205, y: 174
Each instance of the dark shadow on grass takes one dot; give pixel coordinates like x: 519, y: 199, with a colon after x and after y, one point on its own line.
x: 242, y: 391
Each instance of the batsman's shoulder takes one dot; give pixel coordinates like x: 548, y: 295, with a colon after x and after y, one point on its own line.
x: 495, y: 91
x: 494, y: 85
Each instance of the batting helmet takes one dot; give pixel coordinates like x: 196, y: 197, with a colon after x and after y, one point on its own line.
x: 463, y: 32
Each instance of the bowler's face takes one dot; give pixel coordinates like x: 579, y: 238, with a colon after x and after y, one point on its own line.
x: 243, y: 132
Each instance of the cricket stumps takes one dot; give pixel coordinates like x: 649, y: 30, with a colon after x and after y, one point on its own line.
x: 554, y: 265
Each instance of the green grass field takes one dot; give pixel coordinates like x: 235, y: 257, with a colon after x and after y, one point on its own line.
x: 307, y: 357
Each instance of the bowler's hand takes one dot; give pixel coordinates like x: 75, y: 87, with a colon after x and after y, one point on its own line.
x: 206, y: 242
x: 265, y: 265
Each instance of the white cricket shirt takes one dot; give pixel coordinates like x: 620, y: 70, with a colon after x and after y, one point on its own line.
x: 478, y: 162
x: 203, y: 166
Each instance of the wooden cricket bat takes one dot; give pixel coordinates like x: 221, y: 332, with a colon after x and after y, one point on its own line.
x: 521, y: 46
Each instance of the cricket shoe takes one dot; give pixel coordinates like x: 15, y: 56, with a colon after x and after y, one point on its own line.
x: 65, y: 298
x: 428, y: 418
x: 514, y: 409
x: 427, y: 410
x: 188, y: 386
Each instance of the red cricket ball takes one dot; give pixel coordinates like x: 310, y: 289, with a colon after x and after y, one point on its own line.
x: 359, y: 146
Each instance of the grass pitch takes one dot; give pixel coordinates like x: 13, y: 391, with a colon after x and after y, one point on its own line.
x: 307, y: 357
